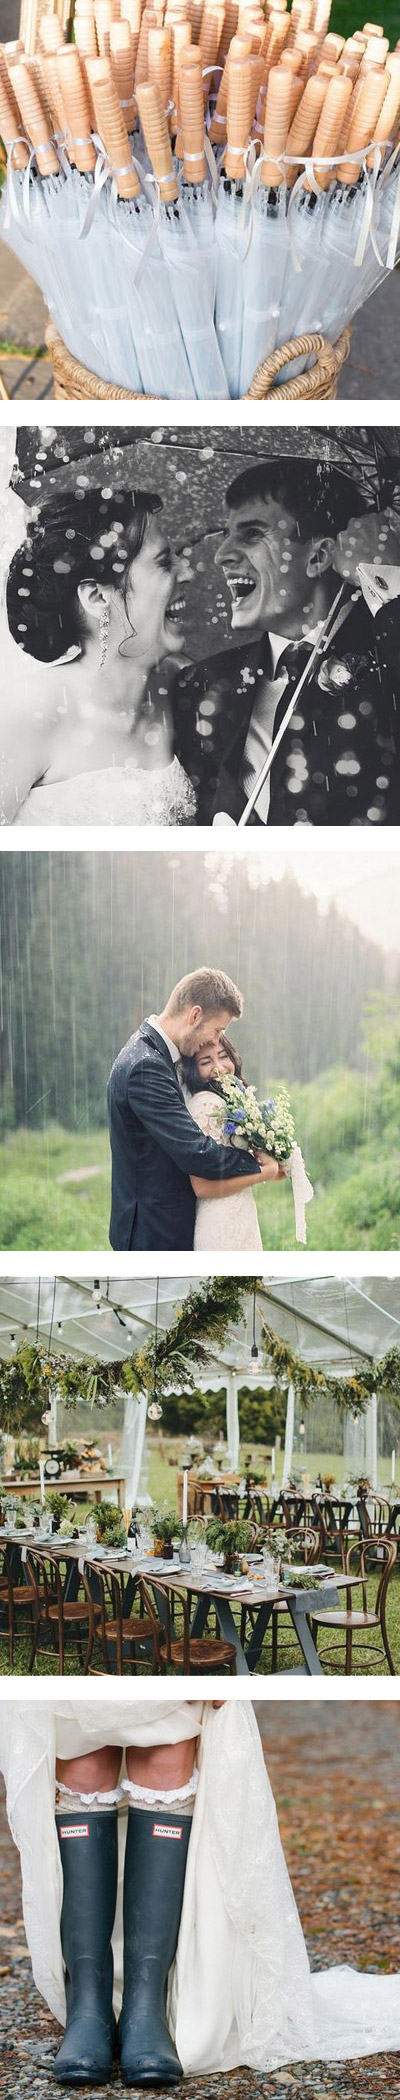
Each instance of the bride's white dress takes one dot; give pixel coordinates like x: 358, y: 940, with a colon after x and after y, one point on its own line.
x: 225, y: 1221
x: 115, y: 795
x: 241, y: 1991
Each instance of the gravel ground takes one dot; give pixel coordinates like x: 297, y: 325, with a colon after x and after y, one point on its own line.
x: 340, y: 1824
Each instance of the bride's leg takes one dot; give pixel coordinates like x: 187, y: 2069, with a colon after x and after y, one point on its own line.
x: 167, y: 1766
x: 88, y: 1842
x: 155, y: 1867
x: 95, y: 1773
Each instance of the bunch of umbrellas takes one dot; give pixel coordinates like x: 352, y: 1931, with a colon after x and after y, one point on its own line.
x: 197, y: 182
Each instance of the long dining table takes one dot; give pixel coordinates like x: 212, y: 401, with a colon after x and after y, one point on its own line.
x: 204, y: 1589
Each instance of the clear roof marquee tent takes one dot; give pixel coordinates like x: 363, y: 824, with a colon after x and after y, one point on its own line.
x: 328, y: 1321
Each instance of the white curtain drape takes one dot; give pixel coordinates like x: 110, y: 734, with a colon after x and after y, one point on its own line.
x: 133, y: 1437
x: 232, y: 1420
x: 371, y: 1441
x: 289, y: 1434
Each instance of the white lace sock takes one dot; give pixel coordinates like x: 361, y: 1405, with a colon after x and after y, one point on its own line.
x: 154, y: 1797
x: 67, y: 1799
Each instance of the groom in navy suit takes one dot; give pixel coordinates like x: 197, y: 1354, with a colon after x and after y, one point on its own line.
x: 160, y: 1159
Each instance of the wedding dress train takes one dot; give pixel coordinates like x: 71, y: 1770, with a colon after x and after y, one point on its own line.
x: 241, y: 1991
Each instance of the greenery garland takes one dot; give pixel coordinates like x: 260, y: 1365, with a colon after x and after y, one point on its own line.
x: 197, y: 1331
x: 199, y: 1325
x: 351, y: 1393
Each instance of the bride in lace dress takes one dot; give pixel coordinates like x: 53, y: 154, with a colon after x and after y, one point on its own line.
x: 93, y: 638
x: 224, y: 1221
x: 241, y: 1991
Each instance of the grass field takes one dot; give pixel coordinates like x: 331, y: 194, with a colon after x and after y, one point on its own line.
x: 349, y: 1137
x: 347, y: 16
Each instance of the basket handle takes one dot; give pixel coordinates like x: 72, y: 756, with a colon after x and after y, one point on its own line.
x: 325, y: 356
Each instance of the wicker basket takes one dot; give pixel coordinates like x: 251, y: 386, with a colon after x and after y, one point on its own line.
x: 73, y: 382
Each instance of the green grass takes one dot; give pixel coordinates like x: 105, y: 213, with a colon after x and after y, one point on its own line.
x: 34, y: 1210
x: 348, y: 15
x: 349, y: 1136
x: 350, y: 1141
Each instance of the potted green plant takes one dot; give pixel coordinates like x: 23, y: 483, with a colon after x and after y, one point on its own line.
x: 110, y: 1527
x: 56, y: 1505
x: 165, y: 1526
x: 229, y: 1541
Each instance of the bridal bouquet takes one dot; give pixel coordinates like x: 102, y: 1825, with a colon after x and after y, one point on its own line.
x: 258, y: 1126
x: 267, y: 1126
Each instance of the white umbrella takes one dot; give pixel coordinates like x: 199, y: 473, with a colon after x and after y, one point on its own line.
x: 231, y: 225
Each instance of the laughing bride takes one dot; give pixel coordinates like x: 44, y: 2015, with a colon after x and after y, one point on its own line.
x: 93, y: 638
x: 215, y: 1908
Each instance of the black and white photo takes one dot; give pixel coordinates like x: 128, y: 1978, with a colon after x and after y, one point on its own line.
x: 200, y: 626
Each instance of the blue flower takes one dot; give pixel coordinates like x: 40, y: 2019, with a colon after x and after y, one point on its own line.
x: 230, y: 1127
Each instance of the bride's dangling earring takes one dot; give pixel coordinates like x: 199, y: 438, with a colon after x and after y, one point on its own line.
x: 104, y: 633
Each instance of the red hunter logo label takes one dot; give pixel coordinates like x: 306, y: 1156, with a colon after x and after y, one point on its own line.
x: 167, y: 1830
x: 74, y: 1830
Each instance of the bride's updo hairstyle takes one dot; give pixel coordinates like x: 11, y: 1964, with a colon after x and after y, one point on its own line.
x: 78, y: 534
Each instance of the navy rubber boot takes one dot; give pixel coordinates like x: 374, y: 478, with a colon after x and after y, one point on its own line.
x: 155, y: 1867
x: 88, y: 1844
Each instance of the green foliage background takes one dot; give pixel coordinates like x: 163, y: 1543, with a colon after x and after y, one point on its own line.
x: 91, y: 942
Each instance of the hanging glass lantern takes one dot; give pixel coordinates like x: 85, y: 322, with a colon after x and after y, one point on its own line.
x: 155, y: 1409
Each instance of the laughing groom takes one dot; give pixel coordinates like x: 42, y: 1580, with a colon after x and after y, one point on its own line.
x: 296, y: 531
x: 160, y: 1159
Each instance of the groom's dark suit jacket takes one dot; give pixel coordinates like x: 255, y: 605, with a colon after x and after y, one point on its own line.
x: 346, y: 733
x: 155, y: 1147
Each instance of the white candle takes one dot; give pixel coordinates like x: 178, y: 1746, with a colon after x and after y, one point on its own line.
x: 393, y: 1467
x: 272, y: 1465
x: 41, y: 1476
x: 109, y: 1457
x: 185, y: 1497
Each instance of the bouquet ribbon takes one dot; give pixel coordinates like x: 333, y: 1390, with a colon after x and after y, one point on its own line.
x: 302, y: 1191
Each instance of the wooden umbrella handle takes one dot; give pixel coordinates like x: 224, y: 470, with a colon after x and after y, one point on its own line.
x: 156, y: 134
x: 239, y: 114
x: 35, y: 118
x: 111, y: 125
x: 191, y: 110
x: 276, y: 123
x: 76, y: 100
x: 10, y: 117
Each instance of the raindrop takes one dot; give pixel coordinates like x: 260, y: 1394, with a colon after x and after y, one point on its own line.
x: 347, y: 764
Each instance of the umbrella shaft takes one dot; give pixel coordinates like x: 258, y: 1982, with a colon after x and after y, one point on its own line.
x: 317, y: 650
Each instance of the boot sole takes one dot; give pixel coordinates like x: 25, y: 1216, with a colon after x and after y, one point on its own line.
x: 152, y: 2078
x: 83, y: 2076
